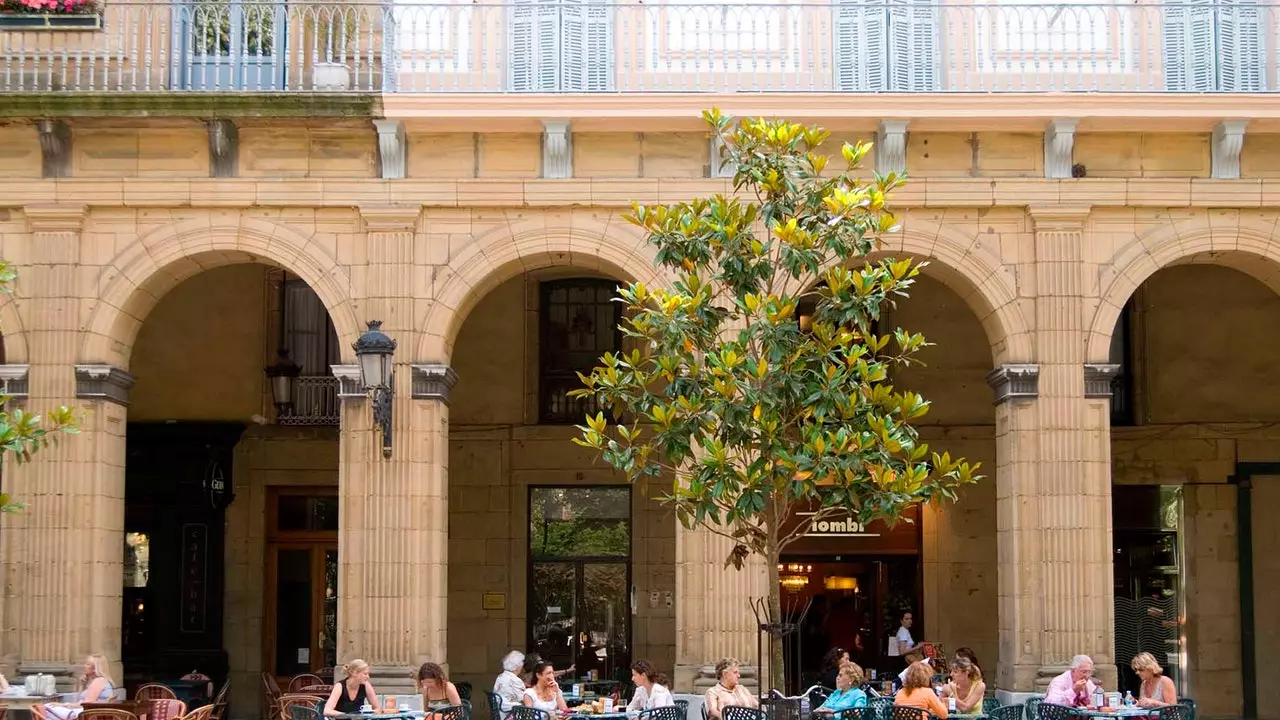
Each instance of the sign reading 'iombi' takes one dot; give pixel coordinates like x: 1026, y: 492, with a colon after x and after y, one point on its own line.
x: 839, y: 527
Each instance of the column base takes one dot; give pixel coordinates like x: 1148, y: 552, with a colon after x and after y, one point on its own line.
x: 393, y: 679
x: 64, y: 673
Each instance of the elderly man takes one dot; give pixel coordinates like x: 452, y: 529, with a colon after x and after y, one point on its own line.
x: 1074, y: 687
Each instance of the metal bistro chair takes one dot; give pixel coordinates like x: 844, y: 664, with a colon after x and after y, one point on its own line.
x: 298, y: 711
x: 520, y: 712
x: 1191, y: 704
x: 906, y: 712
x: 705, y: 716
x: 154, y: 691
x: 734, y: 712
x: 452, y: 712
x: 861, y: 713
x: 464, y: 690
x: 990, y: 704
x: 288, y: 701
x: 1032, y: 707
x: 781, y: 708
x: 495, y: 705
x: 671, y: 712
x: 1175, y: 712
x: 880, y: 706
x: 1053, y: 711
x: 1004, y: 712
x: 681, y: 704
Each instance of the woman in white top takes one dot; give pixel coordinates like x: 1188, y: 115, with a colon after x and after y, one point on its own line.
x: 651, y: 690
x: 905, y: 641
x: 545, y: 693
x: 509, y: 686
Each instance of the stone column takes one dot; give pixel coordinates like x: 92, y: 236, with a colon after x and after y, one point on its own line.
x: 63, y: 556
x: 393, y: 534
x: 713, y: 606
x: 1055, y: 523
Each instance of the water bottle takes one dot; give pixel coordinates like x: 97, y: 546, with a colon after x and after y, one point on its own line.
x: 804, y: 705
x: 1099, y: 699
x: 1128, y: 699
x: 951, y: 705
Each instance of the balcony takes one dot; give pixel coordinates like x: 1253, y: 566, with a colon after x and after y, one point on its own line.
x: 315, y: 402
x: 584, y: 47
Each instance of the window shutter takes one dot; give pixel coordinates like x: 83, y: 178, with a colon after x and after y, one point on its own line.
x: 913, y: 46
x: 311, y: 337
x: 533, y: 31
x: 1240, y: 47
x: 600, y: 67
x: 1189, y: 47
x: 573, y: 45
x: 859, y: 46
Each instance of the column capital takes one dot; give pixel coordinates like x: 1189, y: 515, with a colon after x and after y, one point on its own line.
x: 433, y: 382
x: 103, y: 382
x: 1014, y: 381
x: 13, y: 380
x: 390, y: 218
x: 1059, y: 217
x: 55, y: 218
x: 1097, y: 379
x: 348, y: 382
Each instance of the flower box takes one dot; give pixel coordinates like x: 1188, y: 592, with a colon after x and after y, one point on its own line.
x: 50, y: 21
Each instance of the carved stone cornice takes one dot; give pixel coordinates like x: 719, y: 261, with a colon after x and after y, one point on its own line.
x: 1014, y: 381
x: 1098, y: 379
x: 1059, y: 148
x: 1228, y: 142
x: 557, y: 150
x: 13, y: 380
x: 392, y: 148
x: 891, y: 146
x: 433, y: 382
x: 55, y: 218
x: 348, y: 382
x: 390, y: 218
x: 103, y: 382
x: 1059, y: 218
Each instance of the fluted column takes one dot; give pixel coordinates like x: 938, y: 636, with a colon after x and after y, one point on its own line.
x: 393, y: 512
x: 63, y: 556
x: 1055, y: 522
x: 713, y: 611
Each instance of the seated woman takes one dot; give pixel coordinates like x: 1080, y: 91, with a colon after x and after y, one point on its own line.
x: 1157, y: 690
x: 651, y: 688
x: 509, y: 686
x: 966, y: 686
x: 95, y: 686
x: 437, y: 691
x: 728, y: 692
x: 351, y: 694
x: 917, y: 693
x: 848, y: 692
x: 545, y: 693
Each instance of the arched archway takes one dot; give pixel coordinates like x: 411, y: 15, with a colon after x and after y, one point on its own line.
x: 588, y: 241
x: 144, y: 271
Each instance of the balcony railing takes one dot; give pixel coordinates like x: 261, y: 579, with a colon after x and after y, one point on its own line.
x: 315, y: 402
x: 587, y: 46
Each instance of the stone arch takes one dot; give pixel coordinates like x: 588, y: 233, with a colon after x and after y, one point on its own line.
x: 135, y: 280
x: 592, y: 241
x: 1244, y: 243
x: 976, y: 273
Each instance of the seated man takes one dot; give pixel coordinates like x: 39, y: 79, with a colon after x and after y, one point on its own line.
x: 1074, y: 687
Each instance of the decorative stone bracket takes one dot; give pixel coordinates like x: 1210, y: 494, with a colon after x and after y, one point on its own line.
x: 392, y: 148
x: 1098, y: 378
x: 103, y: 382
x: 13, y: 381
x: 1017, y: 381
x: 55, y: 148
x: 1059, y: 148
x: 224, y: 147
x: 1228, y: 141
x: 433, y: 382
x: 557, y: 150
x: 717, y: 167
x: 891, y: 147
x: 349, y: 382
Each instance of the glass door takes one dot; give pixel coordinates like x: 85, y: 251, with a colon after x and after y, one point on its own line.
x: 231, y: 45
x: 302, y: 582
x: 580, y: 579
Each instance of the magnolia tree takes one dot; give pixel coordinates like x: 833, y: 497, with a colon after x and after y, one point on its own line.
x: 22, y: 434
x: 755, y: 413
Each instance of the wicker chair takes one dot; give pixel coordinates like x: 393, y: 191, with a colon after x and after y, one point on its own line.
x: 200, y: 713
x: 298, y: 711
x: 321, y: 690
x: 154, y: 691
x: 107, y: 714
x: 271, y: 694
x: 304, y: 680
x: 288, y: 700
x: 167, y: 709
x: 1053, y: 711
x: 220, y: 702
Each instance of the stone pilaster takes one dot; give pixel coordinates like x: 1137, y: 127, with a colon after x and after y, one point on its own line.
x: 713, y: 612
x: 63, y: 555
x: 1064, y: 559
x: 393, y: 537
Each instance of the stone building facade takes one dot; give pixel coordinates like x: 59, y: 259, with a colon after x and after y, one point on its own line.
x: 1094, y: 334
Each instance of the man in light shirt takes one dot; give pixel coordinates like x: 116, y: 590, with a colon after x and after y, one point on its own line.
x: 1074, y: 687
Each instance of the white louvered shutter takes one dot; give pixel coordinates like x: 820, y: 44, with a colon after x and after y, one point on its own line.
x: 1189, y: 47
x: 573, y: 45
x: 1241, y: 60
x: 599, y: 41
x: 533, y: 30
x: 859, y: 46
x: 913, y: 46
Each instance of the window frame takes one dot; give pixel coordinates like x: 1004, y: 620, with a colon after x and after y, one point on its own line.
x: 546, y: 376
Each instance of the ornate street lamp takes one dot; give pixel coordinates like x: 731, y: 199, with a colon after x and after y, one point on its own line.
x: 374, y: 351
x: 282, y: 374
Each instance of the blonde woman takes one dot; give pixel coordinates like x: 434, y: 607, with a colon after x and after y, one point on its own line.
x: 966, y: 686
x: 349, y: 696
x: 94, y: 685
x: 728, y: 691
x: 1157, y: 690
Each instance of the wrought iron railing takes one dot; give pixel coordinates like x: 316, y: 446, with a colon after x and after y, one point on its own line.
x: 315, y: 402
x: 571, y: 46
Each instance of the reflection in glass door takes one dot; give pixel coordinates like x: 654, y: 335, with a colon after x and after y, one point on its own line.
x: 580, y: 578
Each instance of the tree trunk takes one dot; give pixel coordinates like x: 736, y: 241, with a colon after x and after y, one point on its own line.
x: 777, y: 669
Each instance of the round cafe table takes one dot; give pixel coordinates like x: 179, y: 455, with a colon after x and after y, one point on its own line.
x: 620, y: 715
x: 1117, y: 713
